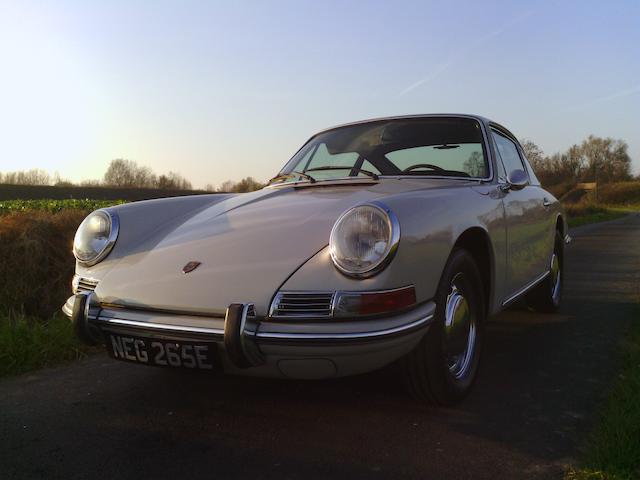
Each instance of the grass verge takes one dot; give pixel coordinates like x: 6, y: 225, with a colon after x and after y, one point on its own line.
x: 581, y: 214
x: 30, y: 343
x: 613, y: 451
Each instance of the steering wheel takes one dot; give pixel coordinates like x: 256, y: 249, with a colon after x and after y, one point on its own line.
x: 424, y: 165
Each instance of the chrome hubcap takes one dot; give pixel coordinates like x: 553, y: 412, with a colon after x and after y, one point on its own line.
x: 555, y: 279
x: 460, y: 333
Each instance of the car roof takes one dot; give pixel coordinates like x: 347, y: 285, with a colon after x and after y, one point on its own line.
x: 479, y: 118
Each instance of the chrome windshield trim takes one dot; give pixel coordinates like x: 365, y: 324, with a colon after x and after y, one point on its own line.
x: 525, y: 289
x: 346, y: 336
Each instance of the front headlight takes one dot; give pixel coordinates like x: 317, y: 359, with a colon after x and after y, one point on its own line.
x: 364, y: 239
x: 95, y: 237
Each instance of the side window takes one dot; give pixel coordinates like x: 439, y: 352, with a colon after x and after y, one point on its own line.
x: 508, y: 152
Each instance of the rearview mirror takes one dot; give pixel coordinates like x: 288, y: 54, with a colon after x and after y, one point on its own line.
x: 518, y: 180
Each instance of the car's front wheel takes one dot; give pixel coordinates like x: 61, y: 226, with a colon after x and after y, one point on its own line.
x: 442, y: 368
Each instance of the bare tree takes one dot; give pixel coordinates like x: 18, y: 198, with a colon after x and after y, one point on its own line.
x: 144, y: 178
x: 173, y: 181
x: 534, y: 154
x: 226, y: 186
x: 605, y: 160
x: 28, y: 177
x: 121, y: 173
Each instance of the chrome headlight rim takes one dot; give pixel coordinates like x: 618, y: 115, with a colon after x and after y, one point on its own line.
x: 394, y: 241
x: 114, y: 224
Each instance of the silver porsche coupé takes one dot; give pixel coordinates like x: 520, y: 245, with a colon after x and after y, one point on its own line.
x: 384, y: 241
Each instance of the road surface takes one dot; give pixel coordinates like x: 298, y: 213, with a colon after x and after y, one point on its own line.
x: 541, y: 381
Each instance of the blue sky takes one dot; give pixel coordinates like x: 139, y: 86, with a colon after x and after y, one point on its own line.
x: 223, y: 90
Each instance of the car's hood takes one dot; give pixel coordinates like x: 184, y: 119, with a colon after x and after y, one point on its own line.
x: 247, y: 246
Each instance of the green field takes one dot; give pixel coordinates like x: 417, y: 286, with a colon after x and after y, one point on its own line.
x: 54, y: 206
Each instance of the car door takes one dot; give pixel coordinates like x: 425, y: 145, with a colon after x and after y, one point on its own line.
x: 526, y: 220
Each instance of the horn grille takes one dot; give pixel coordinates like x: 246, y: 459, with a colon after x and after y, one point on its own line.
x: 302, y: 305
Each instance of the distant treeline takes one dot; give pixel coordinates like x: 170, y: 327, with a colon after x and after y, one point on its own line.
x: 596, y: 159
x: 121, y: 175
x: 41, y: 192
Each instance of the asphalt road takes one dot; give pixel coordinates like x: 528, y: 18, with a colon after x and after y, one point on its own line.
x: 540, y: 384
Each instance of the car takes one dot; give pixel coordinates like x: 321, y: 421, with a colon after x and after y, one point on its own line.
x: 383, y: 242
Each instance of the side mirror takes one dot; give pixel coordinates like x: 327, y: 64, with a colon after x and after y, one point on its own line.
x: 517, y: 180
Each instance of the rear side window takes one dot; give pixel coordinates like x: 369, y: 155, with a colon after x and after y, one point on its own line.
x: 532, y: 175
x: 508, y: 152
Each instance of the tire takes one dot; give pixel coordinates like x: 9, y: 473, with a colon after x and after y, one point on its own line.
x: 547, y: 296
x: 432, y: 372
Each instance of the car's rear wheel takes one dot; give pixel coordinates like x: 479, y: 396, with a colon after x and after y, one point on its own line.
x: 547, y: 296
x: 442, y: 368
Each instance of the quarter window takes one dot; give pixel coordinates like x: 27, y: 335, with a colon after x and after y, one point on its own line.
x: 508, y: 152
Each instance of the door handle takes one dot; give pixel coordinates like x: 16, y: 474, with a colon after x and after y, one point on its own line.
x: 546, y: 203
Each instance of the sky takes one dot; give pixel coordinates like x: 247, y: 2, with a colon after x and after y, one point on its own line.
x: 223, y: 90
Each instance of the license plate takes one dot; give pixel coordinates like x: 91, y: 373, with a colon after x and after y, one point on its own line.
x: 163, y: 353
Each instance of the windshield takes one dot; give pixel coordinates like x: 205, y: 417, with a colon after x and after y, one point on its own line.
x: 435, y: 147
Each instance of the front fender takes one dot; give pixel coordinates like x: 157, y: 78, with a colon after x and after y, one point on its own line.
x: 430, y: 224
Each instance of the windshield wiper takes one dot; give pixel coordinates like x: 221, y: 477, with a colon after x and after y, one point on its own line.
x: 359, y: 170
x: 293, y: 174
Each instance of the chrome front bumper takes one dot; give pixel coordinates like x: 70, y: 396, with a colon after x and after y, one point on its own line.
x: 259, y: 347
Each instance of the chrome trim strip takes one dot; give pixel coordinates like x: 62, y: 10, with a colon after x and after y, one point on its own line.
x: 160, y: 326
x: 271, y: 335
x: 160, y: 311
x: 525, y: 289
x: 345, y: 336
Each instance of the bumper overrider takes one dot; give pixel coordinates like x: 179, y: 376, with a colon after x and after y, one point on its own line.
x: 303, y: 348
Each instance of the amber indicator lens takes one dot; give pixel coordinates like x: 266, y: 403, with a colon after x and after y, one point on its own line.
x: 374, y: 303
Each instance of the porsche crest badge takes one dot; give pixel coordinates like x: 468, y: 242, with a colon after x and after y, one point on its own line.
x: 191, y: 266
